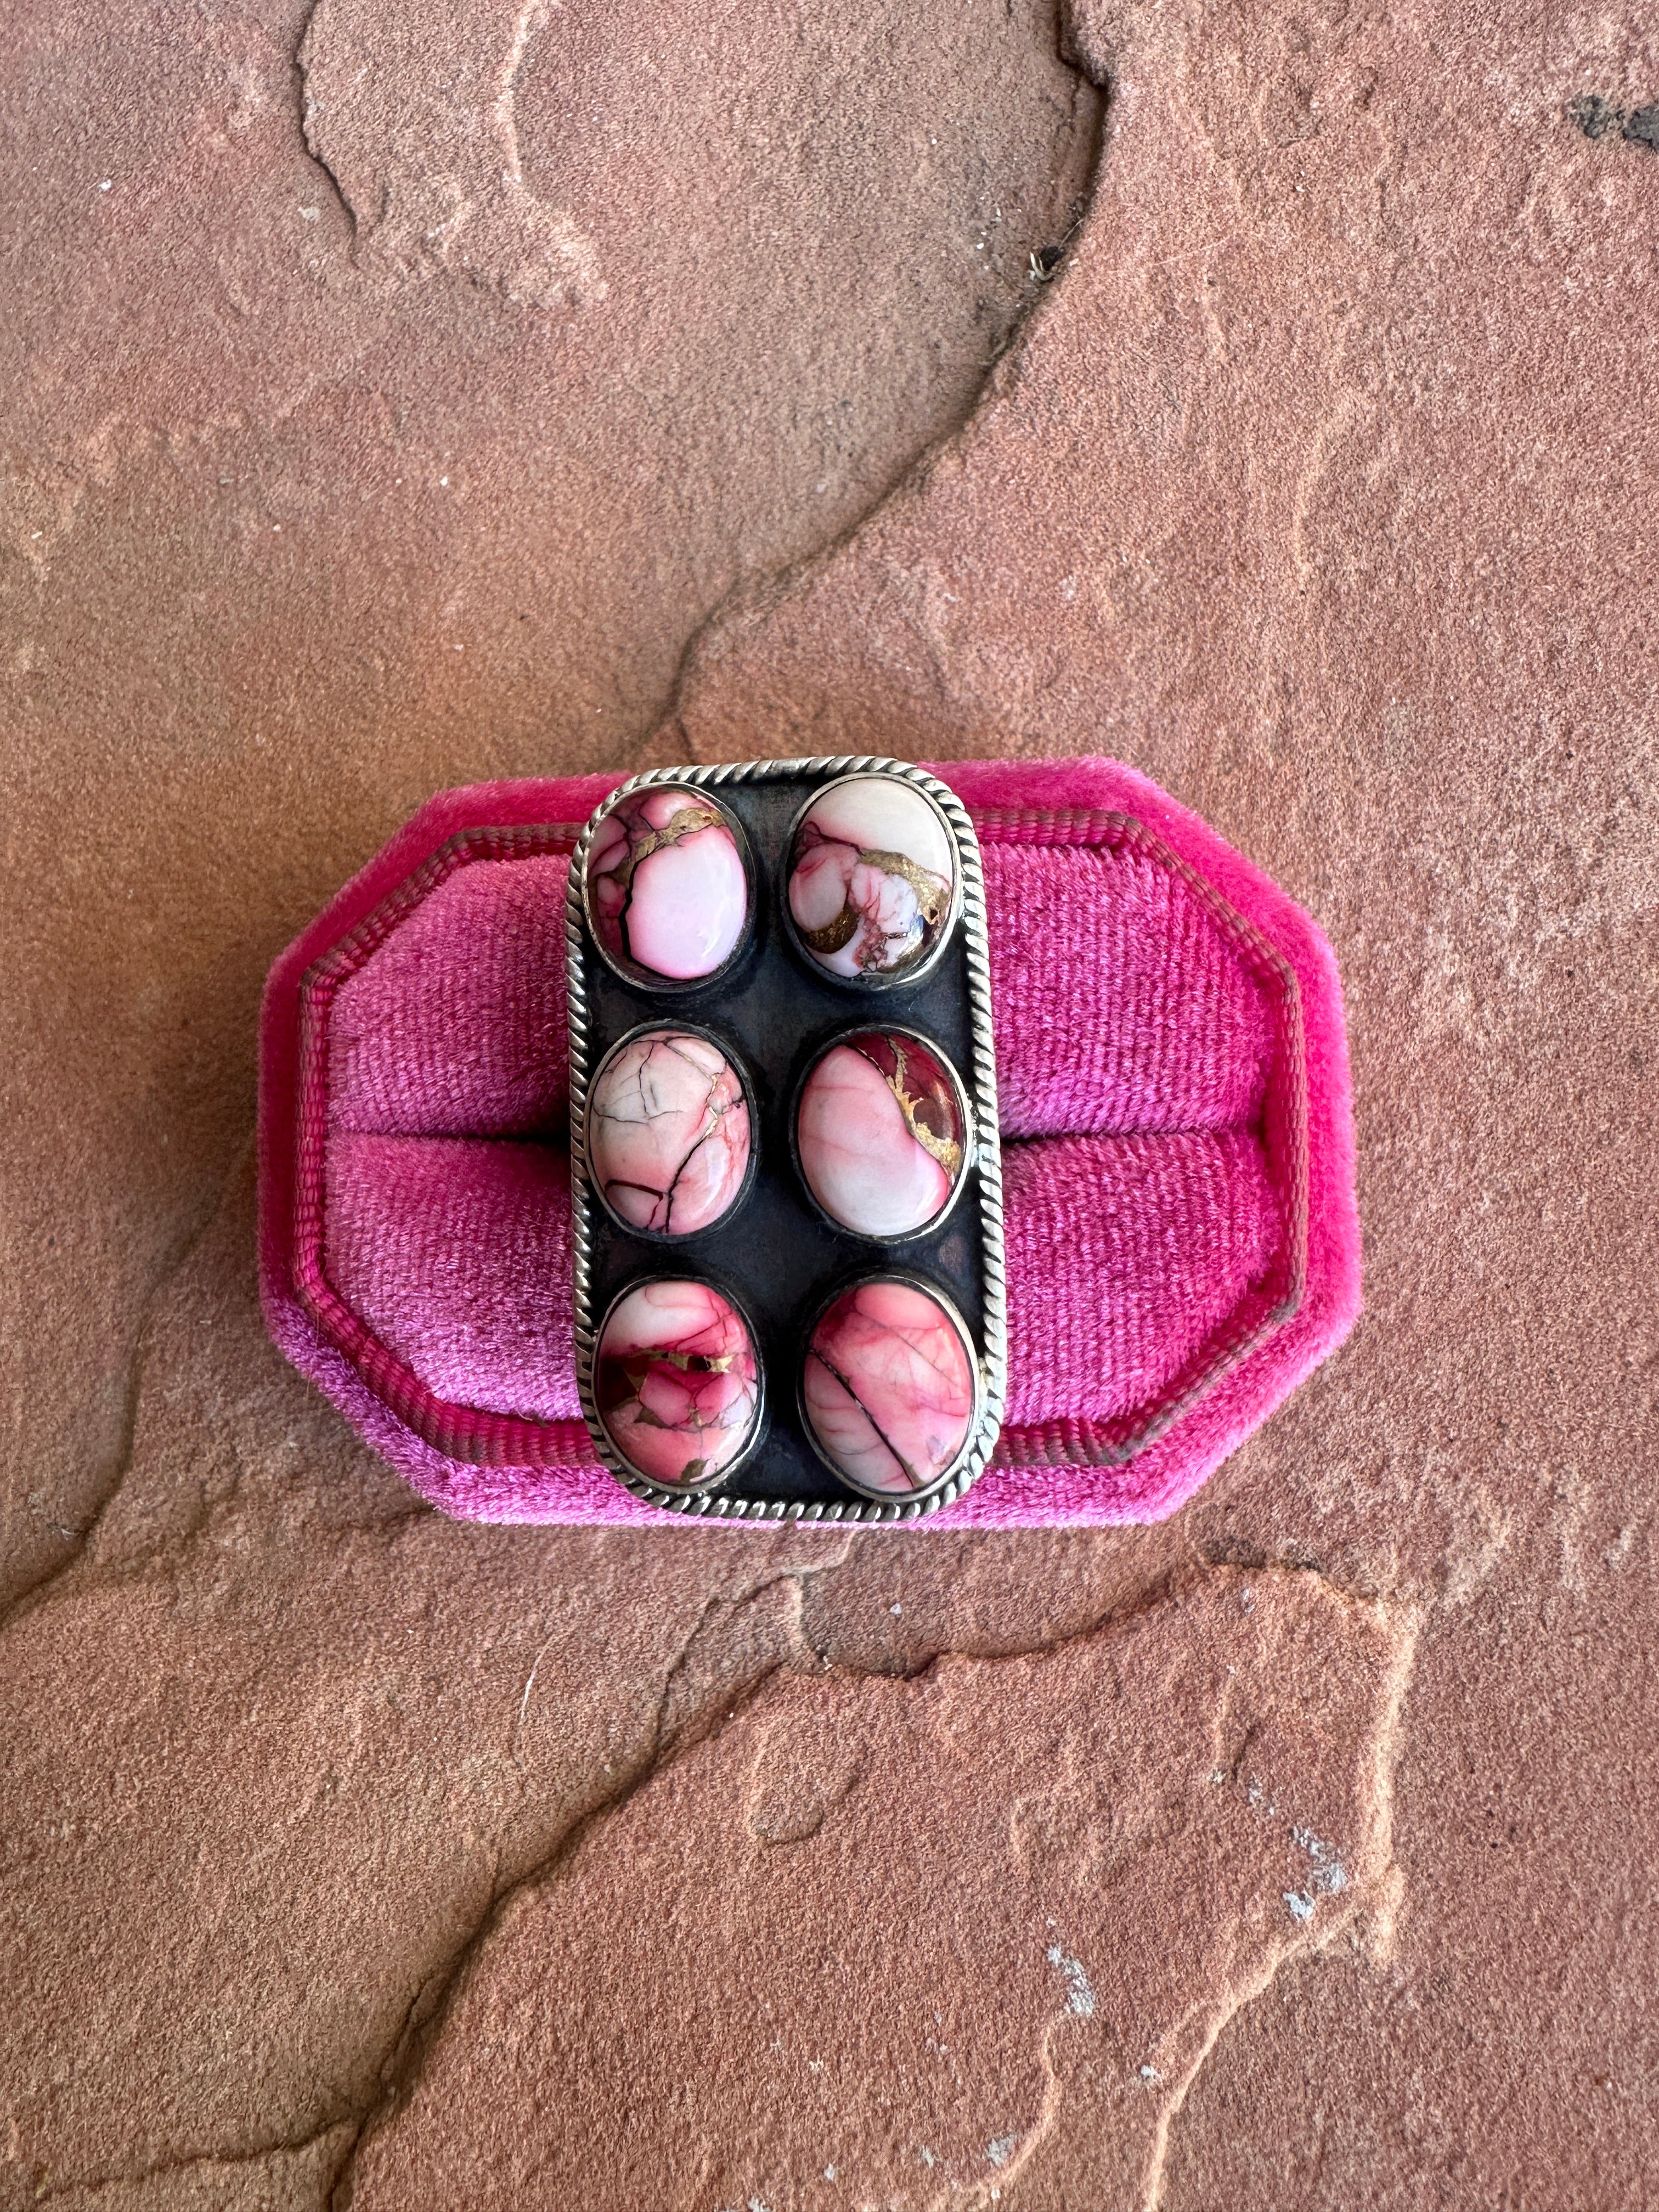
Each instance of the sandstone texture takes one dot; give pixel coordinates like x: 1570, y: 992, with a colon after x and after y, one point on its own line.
x: 401, y: 396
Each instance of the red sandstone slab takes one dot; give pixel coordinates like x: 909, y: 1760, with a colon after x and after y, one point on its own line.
x: 1314, y: 489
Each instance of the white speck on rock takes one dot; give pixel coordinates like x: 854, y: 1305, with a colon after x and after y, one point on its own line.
x: 1079, y: 1990
x: 1329, y: 1875
x: 1001, y: 2149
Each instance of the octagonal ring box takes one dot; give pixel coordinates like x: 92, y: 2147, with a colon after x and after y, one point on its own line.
x: 1181, y: 1241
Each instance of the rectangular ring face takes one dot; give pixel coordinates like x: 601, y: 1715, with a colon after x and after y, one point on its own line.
x: 854, y: 1244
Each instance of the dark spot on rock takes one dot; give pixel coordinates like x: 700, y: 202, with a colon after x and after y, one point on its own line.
x: 1049, y: 258
x: 1595, y: 116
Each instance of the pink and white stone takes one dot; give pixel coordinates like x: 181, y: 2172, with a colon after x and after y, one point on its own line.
x: 880, y: 1134
x: 871, y: 878
x: 668, y: 1134
x: 677, y: 1382
x: 889, y: 1388
x: 667, y: 887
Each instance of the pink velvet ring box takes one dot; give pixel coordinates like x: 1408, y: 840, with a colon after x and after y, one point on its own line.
x: 1182, y: 1245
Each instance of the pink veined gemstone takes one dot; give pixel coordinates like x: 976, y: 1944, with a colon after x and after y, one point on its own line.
x: 871, y: 878
x: 880, y: 1135
x: 677, y: 1382
x: 888, y: 1386
x: 668, y: 1134
x: 665, y: 884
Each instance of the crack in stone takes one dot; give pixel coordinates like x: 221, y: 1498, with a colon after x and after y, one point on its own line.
x: 709, y: 1127
x: 402, y: 2072
x: 35, y: 1594
x: 1384, y: 1766
x: 885, y: 1442
x: 458, y: 203
x: 1015, y: 2156
x: 136, y: 2177
x: 751, y: 596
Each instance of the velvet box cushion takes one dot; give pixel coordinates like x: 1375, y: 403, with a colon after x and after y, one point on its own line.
x: 1181, y: 1239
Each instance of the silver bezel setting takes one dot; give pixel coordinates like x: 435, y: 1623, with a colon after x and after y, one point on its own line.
x: 634, y: 973
x: 870, y: 1027
x: 980, y: 1079
x: 685, y: 1493
x: 668, y: 1240
x: 948, y: 1307
x: 868, y: 981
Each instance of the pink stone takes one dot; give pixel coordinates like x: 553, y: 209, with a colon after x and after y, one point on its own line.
x: 872, y: 877
x: 668, y: 1135
x: 880, y: 1134
x: 667, y: 888
x: 889, y: 1388
x: 677, y: 1382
